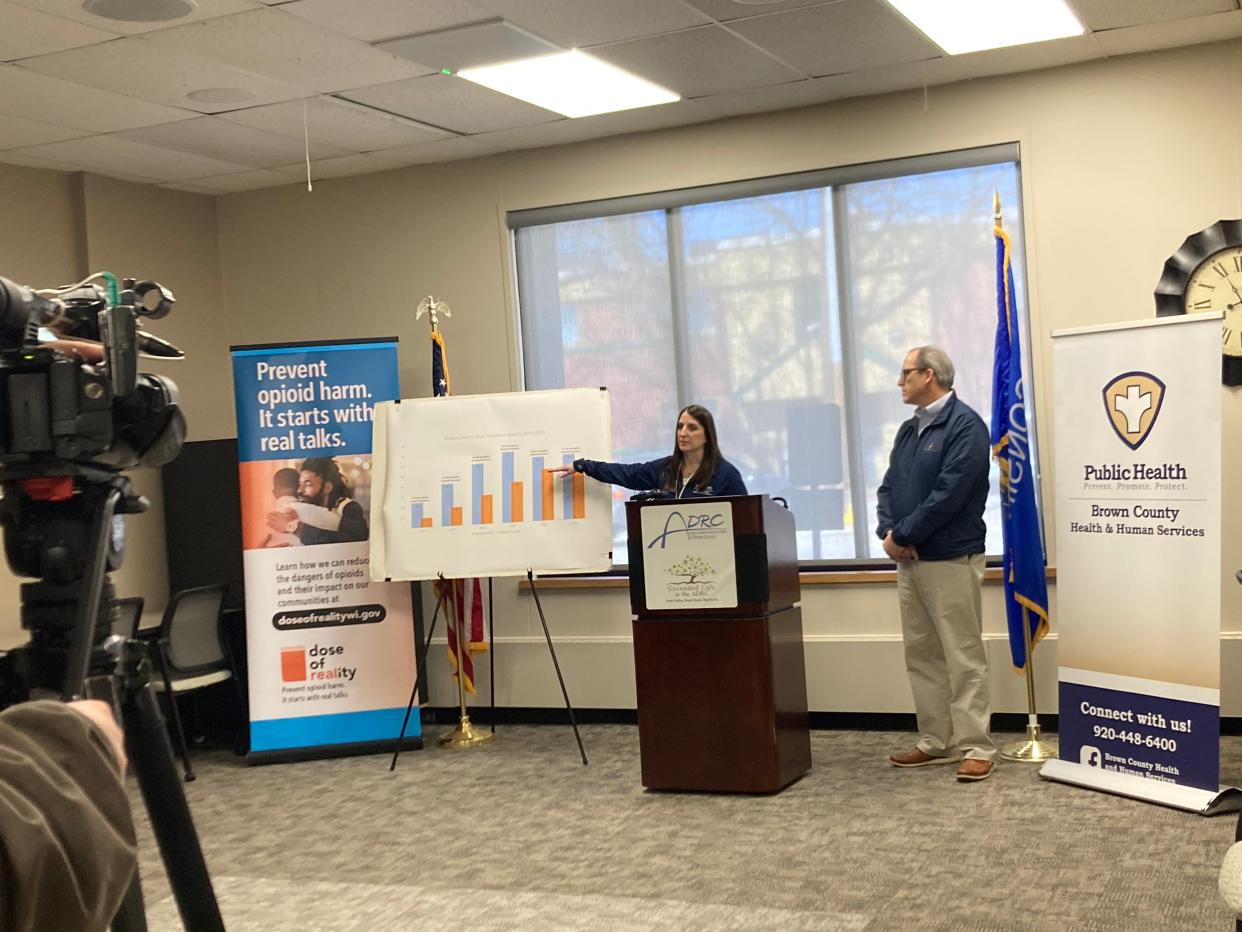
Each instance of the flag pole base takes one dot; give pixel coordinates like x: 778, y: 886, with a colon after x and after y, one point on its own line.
x: 465, y: 735
x: 1034, y: 750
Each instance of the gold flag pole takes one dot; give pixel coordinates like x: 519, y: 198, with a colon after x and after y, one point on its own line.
x: 1035, y: 748
x: 464, y: 735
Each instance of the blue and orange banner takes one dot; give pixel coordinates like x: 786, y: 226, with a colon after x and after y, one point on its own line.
x: 330, y: 653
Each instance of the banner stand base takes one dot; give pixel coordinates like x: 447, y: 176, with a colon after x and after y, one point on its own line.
x: 1189, y: 799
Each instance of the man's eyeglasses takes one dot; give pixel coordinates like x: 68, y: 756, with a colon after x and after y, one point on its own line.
x: 905, y: 373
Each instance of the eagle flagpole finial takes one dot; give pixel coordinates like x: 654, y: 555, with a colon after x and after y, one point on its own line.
x: 430, y: 305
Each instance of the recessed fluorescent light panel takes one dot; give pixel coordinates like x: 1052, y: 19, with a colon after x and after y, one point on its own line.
x: 573, y: 83
x: 960, y: 26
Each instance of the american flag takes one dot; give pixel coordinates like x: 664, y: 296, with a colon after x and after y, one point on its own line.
x: 463, y: 598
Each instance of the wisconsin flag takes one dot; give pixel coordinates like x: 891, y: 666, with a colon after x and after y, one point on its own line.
x: 1024, y: 574
x: 463, y: 598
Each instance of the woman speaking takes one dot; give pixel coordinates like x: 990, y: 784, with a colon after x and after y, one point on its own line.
x: 695, y: 468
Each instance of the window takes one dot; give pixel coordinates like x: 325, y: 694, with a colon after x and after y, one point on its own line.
x: 784, y: 305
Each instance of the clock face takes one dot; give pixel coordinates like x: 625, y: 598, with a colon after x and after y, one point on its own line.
x: 1216, y: 285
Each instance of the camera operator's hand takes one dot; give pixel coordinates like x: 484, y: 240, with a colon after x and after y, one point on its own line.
x: 100, y: 713
x: 84, y: 350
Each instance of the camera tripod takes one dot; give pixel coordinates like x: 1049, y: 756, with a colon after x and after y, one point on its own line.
x: 62, y: 526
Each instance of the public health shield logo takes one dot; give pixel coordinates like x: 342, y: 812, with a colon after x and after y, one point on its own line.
x: 1132, y: 401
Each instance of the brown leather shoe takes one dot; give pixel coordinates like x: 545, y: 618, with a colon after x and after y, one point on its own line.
x: 973, y: 769
x: 916, y: 758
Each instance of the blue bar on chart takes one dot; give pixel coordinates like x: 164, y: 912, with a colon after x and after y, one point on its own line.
x: 446, y: 504
x: 536, y: 487
x: 476, y: 494
x: 567, y: 492
x: 416, y: 514
x: 506, y: 485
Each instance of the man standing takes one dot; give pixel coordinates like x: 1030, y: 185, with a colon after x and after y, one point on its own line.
x: 931, y: 521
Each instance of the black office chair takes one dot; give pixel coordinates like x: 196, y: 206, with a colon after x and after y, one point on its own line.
x: 128, y: 617
x: 191, y: 654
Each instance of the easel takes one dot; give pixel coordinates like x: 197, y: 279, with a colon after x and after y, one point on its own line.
x: 465, y: 734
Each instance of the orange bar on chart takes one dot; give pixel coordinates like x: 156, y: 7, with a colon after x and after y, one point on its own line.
x: 485, y: 509
x: 547, y: 496
x: 515, y: 495
x: 579, y: 482
x: 456, y: 516
x: 426, y: 522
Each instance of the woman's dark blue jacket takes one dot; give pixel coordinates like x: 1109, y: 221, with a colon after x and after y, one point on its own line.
x: 726, y: 480
x: 933, y: 495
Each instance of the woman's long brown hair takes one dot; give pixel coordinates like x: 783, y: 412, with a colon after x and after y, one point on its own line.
x: 711, y: 451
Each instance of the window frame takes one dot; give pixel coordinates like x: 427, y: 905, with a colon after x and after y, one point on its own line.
x: 835, y: 179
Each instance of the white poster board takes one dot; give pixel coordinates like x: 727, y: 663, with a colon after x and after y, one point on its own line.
x: 1138, y: 531
x: 462, y: 488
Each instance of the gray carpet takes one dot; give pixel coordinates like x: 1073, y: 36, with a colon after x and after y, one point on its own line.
x: 519, y: 835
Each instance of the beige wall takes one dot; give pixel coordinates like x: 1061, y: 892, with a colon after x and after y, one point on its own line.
x: 71, y: 225
x: 1121, y: 159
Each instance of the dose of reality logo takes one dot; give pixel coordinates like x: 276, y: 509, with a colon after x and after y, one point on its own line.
x: 308, y: 674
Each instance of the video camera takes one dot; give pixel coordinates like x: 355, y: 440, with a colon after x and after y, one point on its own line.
x: 79, y: 398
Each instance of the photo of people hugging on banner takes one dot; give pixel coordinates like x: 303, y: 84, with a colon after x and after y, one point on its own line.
x: 317, y: 500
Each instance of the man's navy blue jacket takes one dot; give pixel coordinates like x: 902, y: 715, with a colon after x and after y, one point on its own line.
x: 933, y: 495
x: 726, y: 480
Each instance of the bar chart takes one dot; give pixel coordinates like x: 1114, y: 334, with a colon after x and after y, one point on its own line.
x: 468, y: 486
x: 544, y: 496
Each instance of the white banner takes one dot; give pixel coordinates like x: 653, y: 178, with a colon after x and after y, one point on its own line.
x: 688, y: 558
x: 1138, y: 549
x: 462, y: 485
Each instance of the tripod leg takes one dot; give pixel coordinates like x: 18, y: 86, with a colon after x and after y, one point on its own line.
x: 131, y: 917
x: 560, y: 679
x: 491, y: 652
x: 152, y: 760
x: 420, y: 671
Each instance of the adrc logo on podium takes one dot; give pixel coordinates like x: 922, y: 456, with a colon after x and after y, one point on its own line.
x: 1132, y: 402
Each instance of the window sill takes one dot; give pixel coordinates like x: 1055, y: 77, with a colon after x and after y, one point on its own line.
x: 808, y: 578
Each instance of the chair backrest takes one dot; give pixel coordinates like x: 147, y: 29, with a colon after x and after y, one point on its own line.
x: 128, y: 616
x: 191, y: 630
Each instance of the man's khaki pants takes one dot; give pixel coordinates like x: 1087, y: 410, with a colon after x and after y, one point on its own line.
x: 942, y: 624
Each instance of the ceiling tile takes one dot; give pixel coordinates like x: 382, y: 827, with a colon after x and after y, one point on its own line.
x: 697, y: 62
x: 232, y: 142
x: 340, y: 123
x: 189, y: 187
x: 453, y: 103
x: 109, y: 154
x: 838, y: 38
x: 241, y: 181
x: 638, y: 120
x: 23, y: 157
x: 1031, y: 57
x: 443, y: 150
x: 1113, y: 14
x: 28, y: 32
x: 340, y: 167
x: 72, y: 10
x: 774, y: 97
x: 18, y: 132
x: 38, y: 97
x: 136, y: 68
x: 725, y: 10
x: 1154, y: 36
x: 376, y: 20
x: 472, y: 46
x: 579, y: 23
x: 284, y: 47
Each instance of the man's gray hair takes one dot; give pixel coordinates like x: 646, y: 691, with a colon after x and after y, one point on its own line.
x: 938, y: 361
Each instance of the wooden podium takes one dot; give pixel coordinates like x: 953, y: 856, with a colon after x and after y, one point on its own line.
x: 718, y: 658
